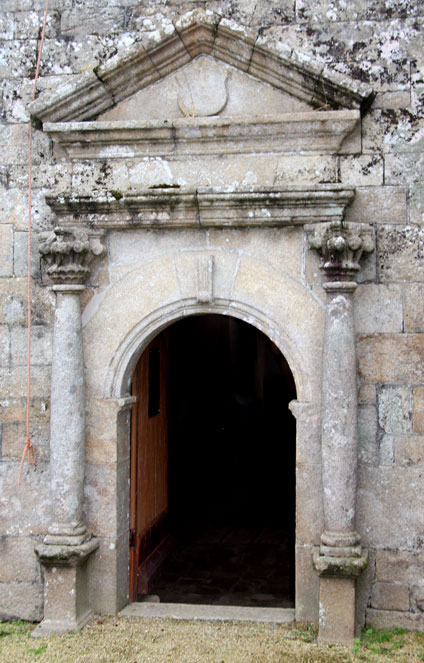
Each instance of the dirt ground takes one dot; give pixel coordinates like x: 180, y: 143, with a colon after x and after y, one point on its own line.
x: 138, y: 640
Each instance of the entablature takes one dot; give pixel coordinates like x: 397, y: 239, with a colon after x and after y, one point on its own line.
x: 209, y: 207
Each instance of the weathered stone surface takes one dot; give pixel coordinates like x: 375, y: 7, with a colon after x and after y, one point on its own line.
x: 21, y: 600
x: 388, y: 619
x: 398, y: 566
x: 391, y: 357
x: 395, y: 409
x: 367, y: 393
x: 367, y: 435
x: 20, y: 255
x: 375, y: 204
x: 14, y: 436
x: 409, y: 449
x: 364, y: 170
x: 414, y: 307
x: 387, y: 495
x: 41, y: 346
x: 18, y: 561
x: 390, y: 596
x: 6, y: 250
x: 337, y: 610
x: 400, y: 253
x: 418, y: 410
x: 307, y: 584
x: 378, y: 309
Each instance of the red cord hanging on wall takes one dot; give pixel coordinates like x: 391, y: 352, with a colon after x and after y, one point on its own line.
x: 29, y: 450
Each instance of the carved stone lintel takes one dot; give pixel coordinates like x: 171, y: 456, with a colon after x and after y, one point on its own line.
x: 68, y: 252
x: 340, y: 246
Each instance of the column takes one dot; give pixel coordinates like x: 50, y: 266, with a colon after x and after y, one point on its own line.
x: 340, y: 559
x: 67, y: 253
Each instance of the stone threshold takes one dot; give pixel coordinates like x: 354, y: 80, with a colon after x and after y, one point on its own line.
x: 209, y: 612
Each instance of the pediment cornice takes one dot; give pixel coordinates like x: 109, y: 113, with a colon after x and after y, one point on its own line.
x: 175, y: 44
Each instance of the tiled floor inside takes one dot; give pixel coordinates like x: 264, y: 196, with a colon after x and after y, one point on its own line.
x: 229, y: 565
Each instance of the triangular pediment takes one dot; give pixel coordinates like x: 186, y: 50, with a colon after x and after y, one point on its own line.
x: 300, y: 81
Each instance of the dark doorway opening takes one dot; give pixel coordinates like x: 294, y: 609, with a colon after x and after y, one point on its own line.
x: 231, y: 467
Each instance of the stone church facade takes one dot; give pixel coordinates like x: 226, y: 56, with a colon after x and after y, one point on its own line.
x: 261, y: 161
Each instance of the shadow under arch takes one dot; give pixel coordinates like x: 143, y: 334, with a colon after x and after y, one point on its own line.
x: 227, y: 502
x: 121, y: 368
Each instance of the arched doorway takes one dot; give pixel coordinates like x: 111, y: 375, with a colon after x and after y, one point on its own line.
x: 213, y: 467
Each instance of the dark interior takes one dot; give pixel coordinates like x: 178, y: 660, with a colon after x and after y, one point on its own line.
x: 231, y: 467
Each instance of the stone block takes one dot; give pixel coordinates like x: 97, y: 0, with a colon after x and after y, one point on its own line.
x: 390, y: 596
x: 367, y: 393
x: 103, y: 575
x: 4, y: 346
x: 13, y: 382
x: 41, y: 345
x: 395, y: 409
x: 363, y: 590
x: 20, y: 255
x: 379, y: 204
x: 378, y: 308
x: 409, y: 449
x: 417, y: 598
x: 21, y: 600
x: 400, y: 250
x: 367, y: 434
x: 387, y: 495
x: 399, y: 566
x: 14, y: 409
x: 418, y: 410
x: 391, y: 357
x: 308, y: 432
x: 20, y: 513
x: 392, y: 99
x: 386, y: 130
x: 388, y: 619
x: 14, y: 435
x: 336, y: 610
x: 386, y: 453
x: 100, y: 498
x: 414, y: 307
x: 307, y: 585
x: 18, y: 559
x: 404, y: 168
x: 6, y: 250
x: 314, y: 169
x: 101, y: 429
x: 309, y: 514
x: 362, y: 170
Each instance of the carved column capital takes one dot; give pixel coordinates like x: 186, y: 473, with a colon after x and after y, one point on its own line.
x: 340, y: 246
x: 67, y: 254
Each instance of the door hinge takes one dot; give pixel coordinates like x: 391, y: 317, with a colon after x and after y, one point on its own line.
x: 132, y: 538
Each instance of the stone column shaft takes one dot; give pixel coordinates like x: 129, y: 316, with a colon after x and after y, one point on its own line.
x: 67, y: 416
x: 339, y: 437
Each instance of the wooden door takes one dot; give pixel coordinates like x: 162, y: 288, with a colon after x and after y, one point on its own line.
x: 149, y: 539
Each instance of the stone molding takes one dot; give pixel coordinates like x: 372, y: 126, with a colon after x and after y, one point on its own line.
x: 303, y: 132
x: 68, y: 252
x: 217, y: 207
x: 346, y: 567
x: 340, y: 246
x: 173, y: 45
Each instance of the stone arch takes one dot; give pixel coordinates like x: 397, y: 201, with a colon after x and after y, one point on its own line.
x: 123, y: 363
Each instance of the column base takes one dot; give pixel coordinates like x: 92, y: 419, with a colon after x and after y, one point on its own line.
x: 337, y: 597
x: 66, y: 600
x: 336, y: 610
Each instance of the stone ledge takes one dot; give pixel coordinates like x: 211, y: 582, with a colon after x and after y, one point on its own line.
x: 211, y: 207
x: 66, y: 555
x: 303, y: 132
x: 345, y: 567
